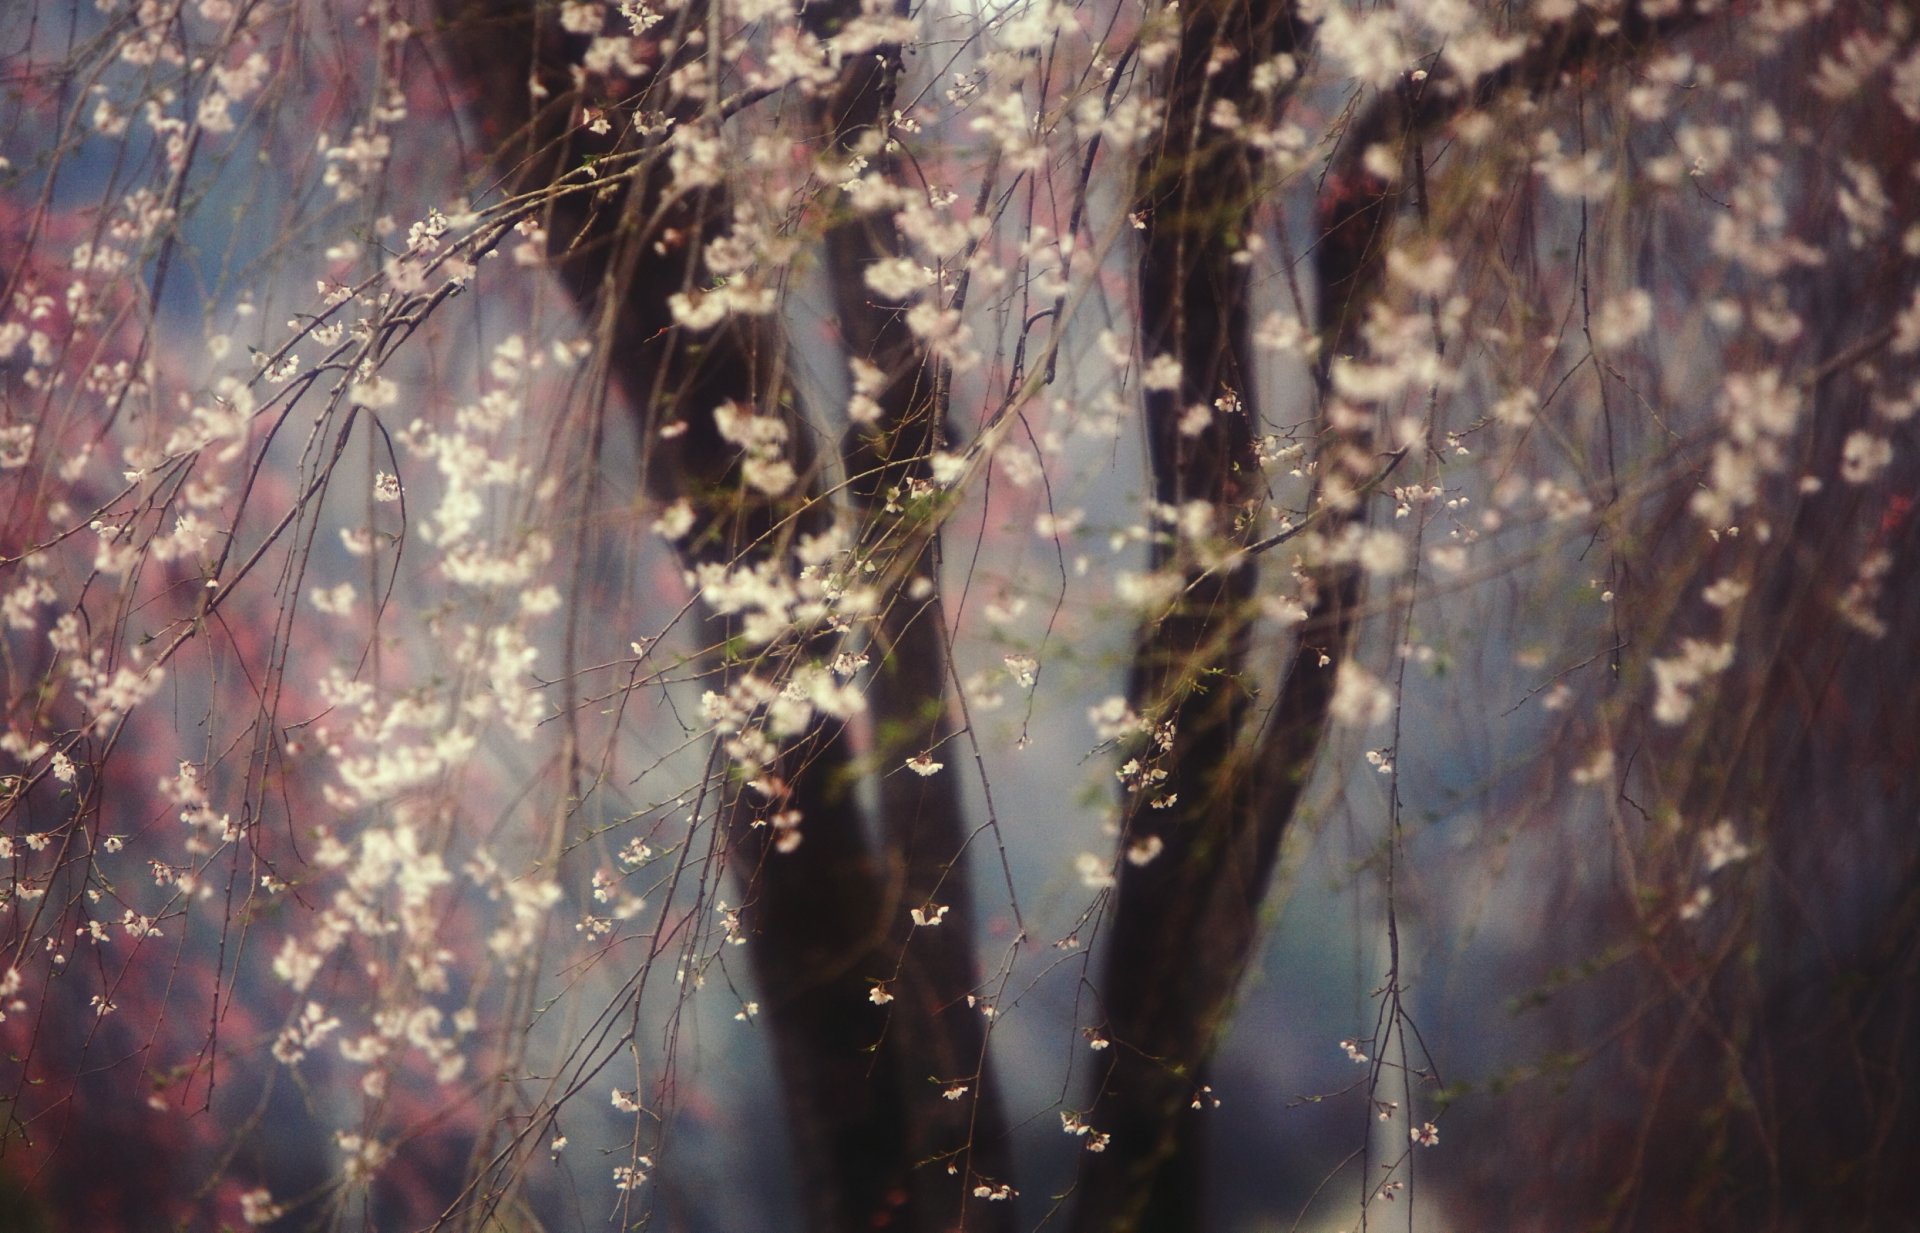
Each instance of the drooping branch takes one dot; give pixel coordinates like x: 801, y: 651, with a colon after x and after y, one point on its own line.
x: 1781, y: 1011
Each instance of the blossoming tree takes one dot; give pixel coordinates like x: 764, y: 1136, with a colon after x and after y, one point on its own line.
x: 532, y: 527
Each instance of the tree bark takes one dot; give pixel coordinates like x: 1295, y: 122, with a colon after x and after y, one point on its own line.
x: 826, y: 922
x: 1185, y: 922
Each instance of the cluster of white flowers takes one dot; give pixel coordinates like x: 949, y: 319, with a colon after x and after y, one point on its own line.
x: 1093, y: 1140
x: 1677, y: 679
x: 828, y: 591
x: 1720, y: 847
x: 1758, y: 411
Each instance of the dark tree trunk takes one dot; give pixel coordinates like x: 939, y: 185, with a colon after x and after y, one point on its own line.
x: 876, y: 1142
